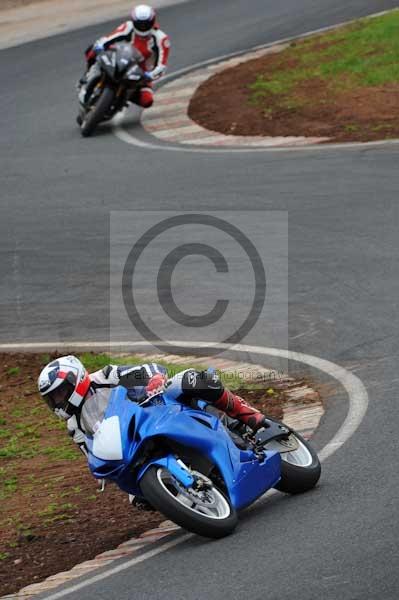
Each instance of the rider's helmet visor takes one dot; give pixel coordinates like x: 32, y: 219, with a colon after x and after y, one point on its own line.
x: 59, y: 397
x: 143, y: 25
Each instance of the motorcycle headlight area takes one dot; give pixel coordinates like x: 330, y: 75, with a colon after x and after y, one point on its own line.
x: 134, y: 74
x: 107, y: 60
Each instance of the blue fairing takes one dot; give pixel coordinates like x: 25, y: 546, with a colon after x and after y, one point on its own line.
x: 246, y: 476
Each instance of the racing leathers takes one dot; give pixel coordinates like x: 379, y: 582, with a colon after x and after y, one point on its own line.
x: 154, y: 49
x: 185, y: 387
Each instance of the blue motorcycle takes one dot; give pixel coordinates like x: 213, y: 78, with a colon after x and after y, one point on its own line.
x: 192, y: 465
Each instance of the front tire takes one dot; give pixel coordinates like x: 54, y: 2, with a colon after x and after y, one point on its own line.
x: 300, y: 469
x: 162, y: 490
x: 93, y: 117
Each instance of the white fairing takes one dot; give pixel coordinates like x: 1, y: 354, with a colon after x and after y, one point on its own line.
x: 107, y: 442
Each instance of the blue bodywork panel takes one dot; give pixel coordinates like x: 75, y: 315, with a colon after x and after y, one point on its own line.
x: 246, y: 476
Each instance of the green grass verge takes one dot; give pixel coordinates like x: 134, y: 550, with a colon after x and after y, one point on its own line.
x: 27, y: 430
x: 24, y: 430
x: 33, y: 443
x: 362, y: 54
x: 94, y: 362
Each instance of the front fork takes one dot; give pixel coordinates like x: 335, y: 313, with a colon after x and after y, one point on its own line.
x: 175, y: 466
x: 90, y: 92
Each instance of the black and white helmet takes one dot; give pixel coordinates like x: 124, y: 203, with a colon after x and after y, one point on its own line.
x: 64, y: 384
x: 143, y: 17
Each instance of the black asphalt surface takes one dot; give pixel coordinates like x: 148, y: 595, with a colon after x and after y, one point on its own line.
x: 57, y: 191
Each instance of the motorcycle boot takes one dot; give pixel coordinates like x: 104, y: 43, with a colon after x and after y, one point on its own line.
x: 236, y: 407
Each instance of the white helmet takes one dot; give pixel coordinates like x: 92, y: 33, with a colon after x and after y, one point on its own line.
x: 64, y: 384
x: 143, y: 17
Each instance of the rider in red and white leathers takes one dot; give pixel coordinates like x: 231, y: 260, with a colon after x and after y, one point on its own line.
x: 153, y: 44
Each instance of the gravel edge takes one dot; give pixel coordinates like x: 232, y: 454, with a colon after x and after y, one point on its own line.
x: 302, y: 412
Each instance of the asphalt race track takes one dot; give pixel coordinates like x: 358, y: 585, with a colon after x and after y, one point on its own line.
x: 57, y: 190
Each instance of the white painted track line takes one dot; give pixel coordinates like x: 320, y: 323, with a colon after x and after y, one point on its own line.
x: 119, y: 568
x: 130, y: 139
x: 357, y: 395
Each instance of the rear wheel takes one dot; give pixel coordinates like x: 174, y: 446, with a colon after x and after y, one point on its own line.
x: 204, y: 511
x: 300, y: 469
x: 96, y: 114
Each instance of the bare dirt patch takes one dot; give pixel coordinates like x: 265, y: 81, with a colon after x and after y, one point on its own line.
x: 22, y: 21
x: 7, y: 4
x: 343, y: 85
x: 52, y: 514
x: 223, y: 104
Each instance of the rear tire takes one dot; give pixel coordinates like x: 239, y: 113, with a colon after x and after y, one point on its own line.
x: 298, y: 478
x: 96, y: 114
x: 169, y: 504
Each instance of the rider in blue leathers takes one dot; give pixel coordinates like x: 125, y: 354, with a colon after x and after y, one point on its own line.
x: 81, y: 398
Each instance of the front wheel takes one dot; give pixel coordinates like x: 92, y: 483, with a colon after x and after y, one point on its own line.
x: 300, y: 469
x: 96, y: 114
x: 204, y: 511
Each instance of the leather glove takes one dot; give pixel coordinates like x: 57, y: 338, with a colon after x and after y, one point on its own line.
x: 77, y: 435
x: 98, y: 46
x: 156, y: 385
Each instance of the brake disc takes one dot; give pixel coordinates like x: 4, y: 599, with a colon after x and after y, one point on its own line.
x: 285, y: 445
x: 197, y: 495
